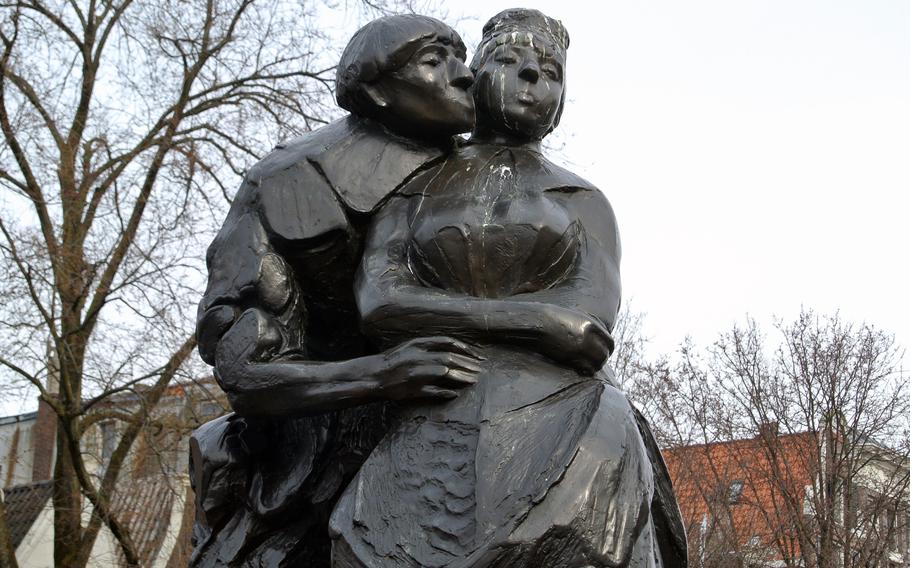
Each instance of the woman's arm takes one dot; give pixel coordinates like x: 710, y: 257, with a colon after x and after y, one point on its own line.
x: 567, y: 323
x: 594, y: 286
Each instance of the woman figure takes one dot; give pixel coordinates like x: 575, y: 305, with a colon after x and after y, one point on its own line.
x: 541, y: 462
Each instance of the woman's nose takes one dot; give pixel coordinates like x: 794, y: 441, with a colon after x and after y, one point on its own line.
x: 530, y: 71
x: 459, y: 74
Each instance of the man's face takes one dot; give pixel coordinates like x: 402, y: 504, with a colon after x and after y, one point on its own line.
x: 429, y: 96
x: 520, y: 88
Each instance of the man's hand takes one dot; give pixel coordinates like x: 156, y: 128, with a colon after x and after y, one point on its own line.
x: 212, y: 325
x: 425, y: 368
x: 252, y: 338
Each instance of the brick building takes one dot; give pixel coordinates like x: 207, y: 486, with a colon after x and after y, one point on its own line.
x: 756, y: 502
x: 153, y: 496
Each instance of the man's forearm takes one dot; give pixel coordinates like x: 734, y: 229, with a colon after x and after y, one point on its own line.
x: 297, y: 388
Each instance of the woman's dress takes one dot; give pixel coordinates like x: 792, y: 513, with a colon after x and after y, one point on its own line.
x: 535, y: 465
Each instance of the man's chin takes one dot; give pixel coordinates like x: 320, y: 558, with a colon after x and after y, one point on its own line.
x: 453, y: 128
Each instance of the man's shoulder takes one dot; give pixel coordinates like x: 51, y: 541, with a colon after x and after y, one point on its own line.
x: 295, y: 200
x: 355, y: 159
x: 297, y: 152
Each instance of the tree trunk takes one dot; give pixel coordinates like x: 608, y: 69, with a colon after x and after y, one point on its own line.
x: 67, y: 505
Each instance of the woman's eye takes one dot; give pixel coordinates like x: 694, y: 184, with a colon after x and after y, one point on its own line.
x: 432, y: 61
x: 551, y: 72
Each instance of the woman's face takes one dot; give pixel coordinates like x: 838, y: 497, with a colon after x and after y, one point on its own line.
x: 430, y: 95
x: 519, y: 88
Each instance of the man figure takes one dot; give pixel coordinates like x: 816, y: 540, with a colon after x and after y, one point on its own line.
x: 278, y: 319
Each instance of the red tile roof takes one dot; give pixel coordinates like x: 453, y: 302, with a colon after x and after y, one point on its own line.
x: 773, y: 472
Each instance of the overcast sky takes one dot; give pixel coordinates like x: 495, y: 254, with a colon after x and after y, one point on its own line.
x: 757, y: 153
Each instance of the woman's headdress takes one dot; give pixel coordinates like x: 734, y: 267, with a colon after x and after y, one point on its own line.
x: 521, y: 25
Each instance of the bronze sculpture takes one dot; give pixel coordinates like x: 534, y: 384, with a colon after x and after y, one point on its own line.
x: 491, y: 276
x: 278, y: 320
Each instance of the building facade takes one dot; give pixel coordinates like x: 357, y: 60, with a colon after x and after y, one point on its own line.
x: 153, y: 498
x: 795, y: 500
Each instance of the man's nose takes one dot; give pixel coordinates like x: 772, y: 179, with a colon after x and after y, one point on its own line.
x: 460, y: 75
x: 529, y: 71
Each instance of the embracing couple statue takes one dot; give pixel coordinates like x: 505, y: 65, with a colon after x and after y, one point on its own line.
x: 412, y: 330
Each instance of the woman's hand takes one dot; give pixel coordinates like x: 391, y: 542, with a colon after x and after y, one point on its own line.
x: 425, y: 368
x: 574, y: 339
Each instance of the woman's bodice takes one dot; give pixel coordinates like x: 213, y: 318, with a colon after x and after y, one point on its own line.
x: 481, y: 226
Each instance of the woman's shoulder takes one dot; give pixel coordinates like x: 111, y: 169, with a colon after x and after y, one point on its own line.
x: 572, y: 190
x: 529, y: 168
x: 549, y: 176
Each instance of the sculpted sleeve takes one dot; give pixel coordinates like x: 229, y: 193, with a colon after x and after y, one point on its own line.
x: 283, y: 211
x: 245, y: 272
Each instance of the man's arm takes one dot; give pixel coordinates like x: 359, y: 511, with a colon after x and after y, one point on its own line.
x: 256, y: 385
x: 244, y: 271
x: 251, y: 329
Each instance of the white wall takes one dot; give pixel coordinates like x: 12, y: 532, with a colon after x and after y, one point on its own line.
x: 37, y: 548
x: 21, y: 463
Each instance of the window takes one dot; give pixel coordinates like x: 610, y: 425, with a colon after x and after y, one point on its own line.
x: 108, y: 442
x: 735, y: 492
x: 891, y: 523
x: 210, y: 409
x: 155, y: 452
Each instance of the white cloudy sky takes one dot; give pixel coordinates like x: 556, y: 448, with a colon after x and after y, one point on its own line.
x: 757, y: 153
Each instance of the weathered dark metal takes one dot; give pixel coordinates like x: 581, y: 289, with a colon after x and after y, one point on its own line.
x: 490, y: 276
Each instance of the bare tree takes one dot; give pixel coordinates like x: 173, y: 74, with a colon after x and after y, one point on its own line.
x: 629, y: 356
x: 126, y: 126
x: 799, y: 448
x: 649, y: 379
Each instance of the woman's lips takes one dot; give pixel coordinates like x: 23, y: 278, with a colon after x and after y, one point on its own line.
x: 526, y: 99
